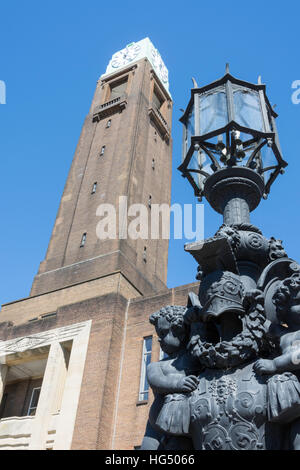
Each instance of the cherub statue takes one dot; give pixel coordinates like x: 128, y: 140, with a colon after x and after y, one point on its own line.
x: 171, y: 380
x: 284, y: 388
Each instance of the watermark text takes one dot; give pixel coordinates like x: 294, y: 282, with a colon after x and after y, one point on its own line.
x: 296, y: 93
x: 2, y: 92
x: 138, y: 221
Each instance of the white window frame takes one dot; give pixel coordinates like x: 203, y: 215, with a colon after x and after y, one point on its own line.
x: 30, y: 408
x: 144, y: 391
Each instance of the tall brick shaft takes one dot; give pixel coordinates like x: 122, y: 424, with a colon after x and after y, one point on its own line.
x: 72, y: 372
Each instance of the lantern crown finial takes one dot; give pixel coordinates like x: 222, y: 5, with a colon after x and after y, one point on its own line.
x: 194, y: 82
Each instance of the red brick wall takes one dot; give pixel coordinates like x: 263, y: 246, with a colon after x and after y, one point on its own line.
x: 108, y: 412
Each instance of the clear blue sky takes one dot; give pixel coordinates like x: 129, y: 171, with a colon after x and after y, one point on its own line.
x: 52, y: 54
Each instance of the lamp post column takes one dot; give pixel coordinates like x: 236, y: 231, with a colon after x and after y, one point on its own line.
x: 236, y: 211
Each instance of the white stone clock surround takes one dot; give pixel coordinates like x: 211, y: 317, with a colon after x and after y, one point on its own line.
x: 136, y: 51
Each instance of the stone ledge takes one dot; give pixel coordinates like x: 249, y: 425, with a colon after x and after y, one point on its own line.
x: 110, y: 107
x: 160, y: 123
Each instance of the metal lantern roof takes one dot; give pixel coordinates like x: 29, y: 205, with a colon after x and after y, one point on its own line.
x: 229, y: 123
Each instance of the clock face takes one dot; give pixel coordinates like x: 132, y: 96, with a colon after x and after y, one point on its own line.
x: 159, y: 66
x: 125, y: 56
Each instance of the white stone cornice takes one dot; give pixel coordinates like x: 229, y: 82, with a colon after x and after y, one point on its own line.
x: 44, y: 338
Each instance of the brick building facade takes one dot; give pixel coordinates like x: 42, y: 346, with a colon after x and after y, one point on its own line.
x: 72, y: 353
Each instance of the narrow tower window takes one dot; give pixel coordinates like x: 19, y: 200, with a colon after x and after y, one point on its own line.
x: 94, y: 188
x: 157, y: 100
x: 117, y: 89
x: 146, y: 359
x: 153, y: 164
x: 102, y: 150
x: 83, y: 240
x: 108, y: 124
x: 149, y: 201
x: 145, y: 254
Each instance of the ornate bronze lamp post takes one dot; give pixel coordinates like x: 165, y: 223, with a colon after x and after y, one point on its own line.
x: 231, y: 151
x: 231, y: 380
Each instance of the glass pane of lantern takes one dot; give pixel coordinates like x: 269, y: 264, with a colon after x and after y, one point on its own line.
x: 268, y: 160
x: 247, y: 109
x: 190, y: 126
x: 199, y: 161
x: 213, y: 112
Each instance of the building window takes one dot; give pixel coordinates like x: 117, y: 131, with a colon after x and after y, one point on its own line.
x: 117, y: 89
x: 83, y: 240
x: 3, y: 403
x: 146, y: 359
x: 108, y: 124
x: 149, y: 201
x: 102, y: 151
x: 49, y: 315
x: 153, y: 164
x: 34, y: 401
x: 157, y: 100
x: 94, y: 188
x: 33, y: 319
x: 145, y: 254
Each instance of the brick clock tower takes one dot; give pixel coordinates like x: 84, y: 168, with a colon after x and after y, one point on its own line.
x: 73, y: 353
